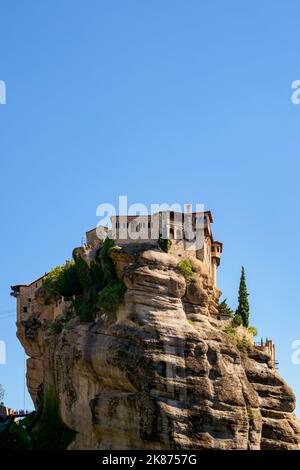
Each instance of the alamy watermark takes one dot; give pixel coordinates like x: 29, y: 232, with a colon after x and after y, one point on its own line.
x: 2, y: 92
x: 296, y: 354
x: 295, y: 97
x: 138, y: 222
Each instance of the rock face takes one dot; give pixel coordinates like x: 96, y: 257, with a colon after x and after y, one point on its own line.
x: 163, y: 375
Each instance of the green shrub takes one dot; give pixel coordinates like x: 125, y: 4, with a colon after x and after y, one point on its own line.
x: 110, y: 297
x: 108, y: 268
x: 49, y: 432
x: 244, y: 345
x: 164, y: 243
x: 230, y: 330
x: 84, y: 309
x: 91, y: 279
x: 16, y: 435
x: 253, y: 330
x: 62, y: 281
x: 96, y: 275
x: 113, y: 291
x: 39, y: 430
x: 186, y: 269
x: 83, y: 272
x: 238, y: 320
x: 253, y: 414
x: 95, y: 286
x: 224, y: 309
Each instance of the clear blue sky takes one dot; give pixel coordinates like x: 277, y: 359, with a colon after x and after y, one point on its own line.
x: 167, y: 101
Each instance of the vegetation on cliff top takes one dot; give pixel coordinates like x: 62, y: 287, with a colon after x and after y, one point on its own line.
x: 95, y: 286
x: 111, y: 296
x: 62, y: 281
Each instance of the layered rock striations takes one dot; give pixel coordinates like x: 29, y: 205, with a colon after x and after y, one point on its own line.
x: 163, y: 374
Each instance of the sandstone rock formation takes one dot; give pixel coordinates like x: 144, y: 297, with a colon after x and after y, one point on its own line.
x: 164, y: 375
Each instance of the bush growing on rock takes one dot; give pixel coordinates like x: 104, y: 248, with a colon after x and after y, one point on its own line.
x: 244, y: 345
x: 186, y: 269
x: 101, y: 287
x: 110, y: 297
x: 164, y: 243
x: 224, y: 309
x: 62, y: 281
x: 48, y: 431
x: 230, y: 330
x: 238, y: 319
x: 253, y: 330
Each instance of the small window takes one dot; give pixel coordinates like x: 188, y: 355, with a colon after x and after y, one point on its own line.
x: 36, y: 284
x: 25, y: 309
x: 29, y: 300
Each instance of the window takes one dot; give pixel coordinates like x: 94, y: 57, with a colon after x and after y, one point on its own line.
x: 29, y: 300
x: 25, y: 309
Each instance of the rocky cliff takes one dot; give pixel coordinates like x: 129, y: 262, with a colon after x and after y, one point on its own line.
x: 163, y: 374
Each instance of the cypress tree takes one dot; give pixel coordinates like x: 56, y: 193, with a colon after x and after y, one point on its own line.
x: 242, y: 312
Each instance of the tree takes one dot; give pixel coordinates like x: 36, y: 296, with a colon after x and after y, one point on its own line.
x: 62, y: 281
x: 224, y: 308
x: 164, y: 243
x: 242, y: 312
